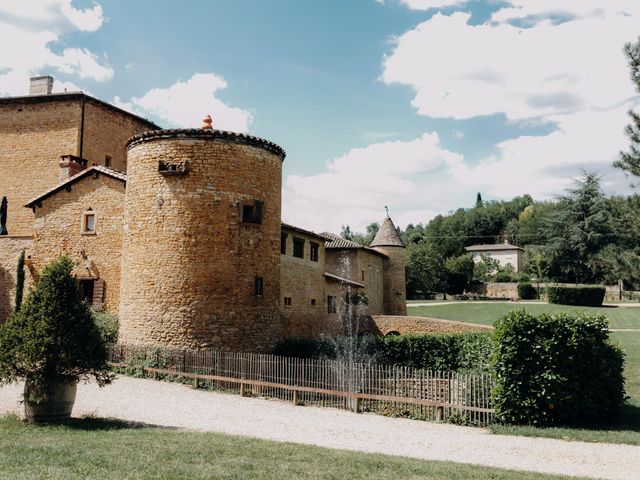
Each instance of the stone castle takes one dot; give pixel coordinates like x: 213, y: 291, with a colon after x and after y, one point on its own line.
x: 177, y: 232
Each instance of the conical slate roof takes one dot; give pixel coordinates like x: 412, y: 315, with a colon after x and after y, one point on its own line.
x: 387, y: 235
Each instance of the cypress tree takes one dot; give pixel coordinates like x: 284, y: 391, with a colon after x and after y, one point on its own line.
x: 630, y: 161
x: 19, y: 281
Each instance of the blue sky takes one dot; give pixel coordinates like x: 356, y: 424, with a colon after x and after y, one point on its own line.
x: 414, y: 104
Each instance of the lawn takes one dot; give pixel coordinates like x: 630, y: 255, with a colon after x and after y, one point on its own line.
x: 627, y: 428
x: 110, y: 449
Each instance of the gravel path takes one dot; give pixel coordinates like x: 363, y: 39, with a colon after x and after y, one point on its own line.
x: 175, y: 405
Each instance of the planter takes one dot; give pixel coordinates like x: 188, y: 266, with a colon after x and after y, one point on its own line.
x: 56, y: 400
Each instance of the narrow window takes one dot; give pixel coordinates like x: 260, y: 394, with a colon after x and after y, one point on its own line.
x: 287, y: 301
x: 258, y: 287
x: 283, y: 243
x: 252, y: 212
x: 313, y: 302
x: 313, y: 251
x: 362, y: 271
x: 86, y: 290
x: 88, y: 222
x: 332, y: 305
x: 298, y: 247
x: 107, y: 161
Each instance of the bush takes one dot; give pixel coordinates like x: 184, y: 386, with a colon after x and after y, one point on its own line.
x: 503, y: 276
x: 53, y: 335
x: 582, y: 295
x: 526, y: 291
x: 556, y: 370
x: 107, y: 325
x: 445, y: 352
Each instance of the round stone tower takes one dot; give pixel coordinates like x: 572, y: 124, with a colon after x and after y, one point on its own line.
x: 201, y: 244
x: 388, y: 242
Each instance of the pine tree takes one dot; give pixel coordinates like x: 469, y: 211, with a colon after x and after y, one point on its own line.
x: 630, y: 161
x: 19, y: 281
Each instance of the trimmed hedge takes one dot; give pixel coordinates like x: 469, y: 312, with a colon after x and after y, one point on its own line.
x: 556, y: 370
x: 582, y: 295
x: 526, y: 291
x: 451, y: 352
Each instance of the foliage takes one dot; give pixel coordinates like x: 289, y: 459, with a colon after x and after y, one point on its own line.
x: 361, y: 238
x: 486, y: 269
x: 583, y: 295
x: 53, y: 334
x: 19, y: 281
x: 445, y: 352
x: 107, y: 325
x: 526, y: 291
x: 630, y: 161
x: 459, y: 273
x: 556, y: 370
x: 425, y: 270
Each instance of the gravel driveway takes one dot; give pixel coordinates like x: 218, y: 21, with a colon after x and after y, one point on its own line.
x: 175, y: 405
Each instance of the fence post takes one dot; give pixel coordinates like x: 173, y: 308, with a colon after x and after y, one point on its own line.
x: 356, y: 405
x: 242, y: 388
x: 439, y: 413
x: 195, y: 382
x: 295, y: 397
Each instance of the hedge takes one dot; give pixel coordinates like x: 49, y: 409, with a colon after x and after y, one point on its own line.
x: 582, y: 295
x: 445, y: 352
x: 526, y: 291
x: 556, y: 370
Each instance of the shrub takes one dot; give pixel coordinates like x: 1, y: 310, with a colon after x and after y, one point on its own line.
x: 107, y: 325
x: 582, y: 295
x: 556, y: 370
x: 53, y: 334
x: 526, y: 291
x: 503, y: 276
x: 460, y: 351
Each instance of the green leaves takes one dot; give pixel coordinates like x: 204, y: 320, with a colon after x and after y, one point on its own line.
x: 556, y: 369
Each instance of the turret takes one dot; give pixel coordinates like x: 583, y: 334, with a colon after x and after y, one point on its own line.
x: 389, y: 243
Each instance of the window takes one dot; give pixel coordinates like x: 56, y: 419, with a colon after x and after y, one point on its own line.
x: 313, y: 302
x: 107, y: 161
x: 332, y: 304
x: 287, y: 301
x: 298, y: 247
x: 86, y: 290
x: 252, y: 212
x: 313, y: 251
x: 362, y: 274
x: 283, y: 243
x: 88, y: 222
x: 258, y: 287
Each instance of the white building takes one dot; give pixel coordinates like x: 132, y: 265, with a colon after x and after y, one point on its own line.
x: 504, y: 253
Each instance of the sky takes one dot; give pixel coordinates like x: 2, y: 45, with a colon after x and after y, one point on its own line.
x: 412, y: 104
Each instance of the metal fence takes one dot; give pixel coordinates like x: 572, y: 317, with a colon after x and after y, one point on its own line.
x: 361, y: 387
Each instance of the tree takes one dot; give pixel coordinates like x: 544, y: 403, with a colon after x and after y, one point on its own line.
x: 425, y: 270
x: 578, y: 231
x: 459, y: 273
x: 346, y: 232
x: 479, y: 202
x: 19, y: 281
x: 630, y: 161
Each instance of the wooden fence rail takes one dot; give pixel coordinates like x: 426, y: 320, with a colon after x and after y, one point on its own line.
x: 369, y: 387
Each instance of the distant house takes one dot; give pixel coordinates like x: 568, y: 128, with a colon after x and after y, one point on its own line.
x: 505, y: 253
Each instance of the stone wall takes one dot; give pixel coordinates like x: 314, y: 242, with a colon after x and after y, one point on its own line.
x: 10, y: 249
x: 302, y: 281
x: 386, y: 324
x: 189, y: 262
x: 33, y: 136
x: 395, y: 283
x: 106, y: 133
x: 57, y: 232
x: 510, y: 290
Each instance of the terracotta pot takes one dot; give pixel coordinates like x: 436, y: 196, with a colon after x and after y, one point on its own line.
x: 57, y: 402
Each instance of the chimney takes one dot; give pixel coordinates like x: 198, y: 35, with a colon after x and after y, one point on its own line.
x: 70, y: 165
x: 40, y: 85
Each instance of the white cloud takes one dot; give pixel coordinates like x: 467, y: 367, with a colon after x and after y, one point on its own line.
x: 356, y: 186
x: 184, y: 104
x: 34, y: 28
x: 427, y: 4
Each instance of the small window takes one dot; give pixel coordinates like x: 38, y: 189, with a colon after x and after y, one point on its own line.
x: 362, y: 272
x: 332, y: 304
x: 88, y: 224
x: 313, y: 251
x: 252, y: 212
x: 298, y: 247
x: 86, y: 290
x: 287, y: 301
x: 313, y: 302
x: 258, y: 287
x: 283, y: 243
x: 107, y: 161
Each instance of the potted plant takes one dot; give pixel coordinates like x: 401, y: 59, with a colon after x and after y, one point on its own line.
x: 52, y: 342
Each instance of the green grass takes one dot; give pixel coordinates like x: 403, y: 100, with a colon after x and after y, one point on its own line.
x: 487, y: 313
x: 110, y: 449
x: 626, y: 429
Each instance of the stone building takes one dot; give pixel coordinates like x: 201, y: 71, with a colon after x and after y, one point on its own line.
x: 177, y: 232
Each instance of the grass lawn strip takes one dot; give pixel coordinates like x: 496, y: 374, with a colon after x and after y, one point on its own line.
x: 111, y: 449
